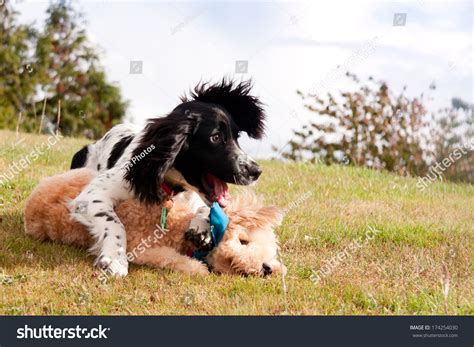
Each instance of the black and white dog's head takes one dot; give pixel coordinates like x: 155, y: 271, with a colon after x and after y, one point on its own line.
x: 199, y: 139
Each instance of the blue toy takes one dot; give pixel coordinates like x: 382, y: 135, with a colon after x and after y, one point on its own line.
x: 219, y: 221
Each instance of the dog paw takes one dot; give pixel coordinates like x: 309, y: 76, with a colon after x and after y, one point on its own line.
x: 200, y: 238
x: 197, y: 268
x: 113, y: 267
x: 199, y: 233
x: 202, y: 270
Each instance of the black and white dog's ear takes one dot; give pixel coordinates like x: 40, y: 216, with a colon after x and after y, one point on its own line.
x: 246, y: 110
x: 160, y: 143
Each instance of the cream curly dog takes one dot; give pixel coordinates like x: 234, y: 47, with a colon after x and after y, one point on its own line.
x: 249, y: 245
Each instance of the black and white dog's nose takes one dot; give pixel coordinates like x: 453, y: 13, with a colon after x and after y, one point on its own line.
x: 254, y: 170
x: 248, y: 170
x: 251, y: 170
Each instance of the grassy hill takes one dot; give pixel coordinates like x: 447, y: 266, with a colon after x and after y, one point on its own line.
x: 421, y: 244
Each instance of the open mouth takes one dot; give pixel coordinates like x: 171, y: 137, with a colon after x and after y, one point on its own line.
x: 216, y: 190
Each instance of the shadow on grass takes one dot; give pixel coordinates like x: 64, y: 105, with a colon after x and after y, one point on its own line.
x: 20, y: 250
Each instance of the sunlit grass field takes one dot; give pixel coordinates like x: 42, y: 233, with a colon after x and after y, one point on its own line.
x: 419, y: 261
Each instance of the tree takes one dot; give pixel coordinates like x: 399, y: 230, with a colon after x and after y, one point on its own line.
x: 71, y: 76
x: 369, y: 127
x: 17, y: 84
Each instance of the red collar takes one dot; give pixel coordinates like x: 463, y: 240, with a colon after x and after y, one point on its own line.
x: 167, y: 189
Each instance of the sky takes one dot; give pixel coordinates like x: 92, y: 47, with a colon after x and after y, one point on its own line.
x: 283, y: 46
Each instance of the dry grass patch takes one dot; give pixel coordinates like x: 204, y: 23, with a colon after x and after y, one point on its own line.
x: 422, y: 236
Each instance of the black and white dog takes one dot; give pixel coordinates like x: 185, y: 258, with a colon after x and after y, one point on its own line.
x: 193, y: 148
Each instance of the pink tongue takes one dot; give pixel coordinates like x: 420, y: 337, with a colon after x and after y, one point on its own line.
x: 220, y: 190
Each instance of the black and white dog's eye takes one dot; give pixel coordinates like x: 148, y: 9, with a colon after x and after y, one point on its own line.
x: 216, y: 138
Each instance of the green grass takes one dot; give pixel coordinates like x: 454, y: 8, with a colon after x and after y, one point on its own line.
x: 399, y: 271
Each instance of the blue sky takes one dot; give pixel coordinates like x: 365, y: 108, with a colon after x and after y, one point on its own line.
x: 288, y: 46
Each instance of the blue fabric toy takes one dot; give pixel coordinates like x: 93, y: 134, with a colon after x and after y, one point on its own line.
x: 219, y: 221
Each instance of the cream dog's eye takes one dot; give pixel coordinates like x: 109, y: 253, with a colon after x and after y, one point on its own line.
x: 244, y: 242
x: 216, y: 138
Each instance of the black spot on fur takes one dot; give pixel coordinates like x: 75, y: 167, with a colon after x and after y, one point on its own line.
x: 97, y: 201
x: 118, y: 237
x: 105, y: 235
x: 105, y: 214
x: 79, y: 159
x: 118, y: 150
x: 106, y: 229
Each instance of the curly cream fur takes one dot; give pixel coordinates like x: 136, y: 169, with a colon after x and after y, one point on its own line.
x: 249, y: 240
